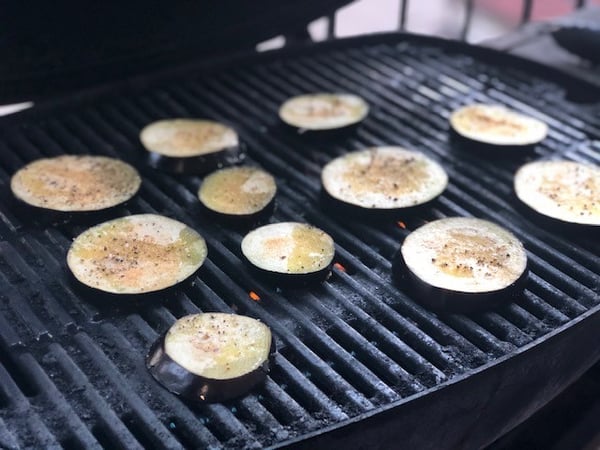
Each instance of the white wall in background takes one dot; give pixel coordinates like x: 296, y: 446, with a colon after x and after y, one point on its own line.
x: 435, y: 17
x: 443, y: 18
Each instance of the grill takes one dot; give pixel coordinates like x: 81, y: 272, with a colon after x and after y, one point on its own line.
x: 354, y: 352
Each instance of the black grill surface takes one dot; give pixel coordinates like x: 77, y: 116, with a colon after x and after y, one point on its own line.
x: 72, y: 371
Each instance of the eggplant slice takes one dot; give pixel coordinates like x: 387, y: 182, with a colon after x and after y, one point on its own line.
x: 462, y: 264
x: 479, y: 125
x: 382, y: 179
x: 75, y: 183
x: 212, y: 357
x: 567, y: 192
x: 191, y: 145
x: 323, y: 112
x: 239, y: 194
x: 290, y: 253
x: 136, y: 254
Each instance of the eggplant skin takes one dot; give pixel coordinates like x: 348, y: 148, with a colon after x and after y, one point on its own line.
x: 241, y: 221
x: 39, y: 215
x: 290, y: 280
x: 200, y: 164
x: 532, y: 131
x: 192, y: 387
x: 489, y: 149
x: 449, y: 301
x: 289, y: 254
x: 359, y: 110
x: 553, y: 224
x: 345, y: 210
x: 317, y: 135
x: 103, y: 299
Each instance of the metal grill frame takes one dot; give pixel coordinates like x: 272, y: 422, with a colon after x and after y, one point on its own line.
x: 384, y: 423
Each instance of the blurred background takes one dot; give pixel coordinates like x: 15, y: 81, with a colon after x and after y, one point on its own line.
x: 445, y: 18
x: 49, y: 48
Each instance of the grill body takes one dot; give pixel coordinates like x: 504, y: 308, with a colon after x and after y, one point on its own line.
x: 359, y: 362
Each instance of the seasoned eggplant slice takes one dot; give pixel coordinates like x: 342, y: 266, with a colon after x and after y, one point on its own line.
x: 290, y: 253
x: 136, y: 254
x: 479, y: 125
x: 564, y: 191
x: 462, y: 264
x: 322, y: 112
x: 382, y: 179
x: 191, y: 145
x: 243, y: 194
x: 212, y: 357
x: 75, y: 183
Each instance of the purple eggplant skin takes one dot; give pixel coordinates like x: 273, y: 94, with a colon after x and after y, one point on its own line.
x: 104, y: 299
x: 320, y: 135
x: 47, y: 216
x: 198, y: 165
x: 569, y: 229
x: 449, y: 301
x: 339, y: 208
x: 290, y: 280
x: 488, y: 149
x: 195, y: 388
x: 241, y: 221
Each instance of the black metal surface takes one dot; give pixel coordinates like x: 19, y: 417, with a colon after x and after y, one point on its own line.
x: 72, y: 372
x: 68, y: 45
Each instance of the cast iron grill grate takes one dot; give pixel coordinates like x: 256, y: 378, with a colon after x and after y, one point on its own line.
x: 352, y: 345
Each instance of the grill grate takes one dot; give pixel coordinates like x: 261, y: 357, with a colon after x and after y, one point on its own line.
x: 352, y: 345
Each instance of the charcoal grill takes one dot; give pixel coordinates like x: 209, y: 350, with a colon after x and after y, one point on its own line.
x: 359, y: 363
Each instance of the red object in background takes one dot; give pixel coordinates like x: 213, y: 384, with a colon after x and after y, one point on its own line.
x: 511, y: 10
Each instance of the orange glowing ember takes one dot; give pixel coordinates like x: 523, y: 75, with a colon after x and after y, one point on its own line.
x: 401, y: 224
x: 338, y: 266
x: 254, y: 296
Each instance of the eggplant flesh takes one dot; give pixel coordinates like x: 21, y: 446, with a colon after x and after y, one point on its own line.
x: 194, y: 146
x: 461, y: 265
x: 447, y: 300
x: 323, y: 115
x: 180, y: 381
x: 238, y: 195
x: 197, y: 387
x: 137, y: 254
x: 481, y: 128
x: 75, y: 184
x: 382, y: 182
x: 289, y: 253
x: 560, y: 193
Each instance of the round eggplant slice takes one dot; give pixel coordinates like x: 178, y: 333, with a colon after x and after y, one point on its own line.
x: 290, y: 253
x: 382, y: 179
x: 75, y: 183
x: 462, y: 264
x: 212, y: 357
x: 239, y: 194
x: 136, y: 254
x: 497, y: 127
x: 566, y: 192
x: 322, y: 112
x: 191, y: 145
